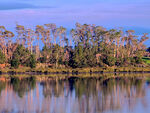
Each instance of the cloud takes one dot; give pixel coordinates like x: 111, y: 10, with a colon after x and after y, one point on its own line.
x: 17, y: 6
x: 10, y: 6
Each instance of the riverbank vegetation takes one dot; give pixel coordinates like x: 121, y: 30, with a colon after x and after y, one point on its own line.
x: 49, y: 48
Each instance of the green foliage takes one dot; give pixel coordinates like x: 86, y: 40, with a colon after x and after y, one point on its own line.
x: 2, y: 86
x: 146, y: 59
x: 78, y: 58
x: 23, y: 86
x: 20, y: 56
x: 56, y: 54
x: 138, y: 60
x: 93, y: 46
x: 46, y: 54
x: 32, y: 61
x: 119, y: 61
x: 21, y: 53
x: 110, y: 61
x: 15, y: 63
x: 2, y: 58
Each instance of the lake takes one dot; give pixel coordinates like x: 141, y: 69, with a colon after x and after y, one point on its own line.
x: 93, y: 94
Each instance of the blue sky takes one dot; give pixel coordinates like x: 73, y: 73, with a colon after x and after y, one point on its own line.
x: 129, y: 14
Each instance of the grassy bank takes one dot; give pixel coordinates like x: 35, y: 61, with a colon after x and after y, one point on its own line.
x: 146, y: 59
x: 102, y: 77
x: 46, y: 71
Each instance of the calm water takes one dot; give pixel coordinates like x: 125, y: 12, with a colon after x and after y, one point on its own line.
x: 75, y: 95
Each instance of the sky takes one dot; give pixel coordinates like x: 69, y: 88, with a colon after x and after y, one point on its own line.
x: 129, y: 14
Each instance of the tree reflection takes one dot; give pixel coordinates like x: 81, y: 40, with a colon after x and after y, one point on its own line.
x: 105, y: 94
x: 21, y: 86
x: 72, y: 94
x: 2, y: 86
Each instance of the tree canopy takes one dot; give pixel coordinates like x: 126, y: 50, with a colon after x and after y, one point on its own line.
x: 86, y: 46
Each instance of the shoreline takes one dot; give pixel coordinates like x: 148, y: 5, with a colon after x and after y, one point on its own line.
x: 77, y: 71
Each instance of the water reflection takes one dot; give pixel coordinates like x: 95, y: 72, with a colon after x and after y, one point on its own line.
x: 74, y: 95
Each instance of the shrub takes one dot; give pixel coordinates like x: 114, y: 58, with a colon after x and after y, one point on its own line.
x: 110, y: 61
x: 138, y: 60
x: 2, y: 57
x: 15, y: 63
x: 32, y: 61
x: 119, y: 61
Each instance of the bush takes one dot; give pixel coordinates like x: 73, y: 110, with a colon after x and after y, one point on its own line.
x: 32, y: 61
x: 42, y: 60
x: 132, y: 60
x: 15, y: 63
x: 138, y: 60
x: 110, y: 61
x: 22, y: 54
x: 119, y: 61
x: 2, y: 57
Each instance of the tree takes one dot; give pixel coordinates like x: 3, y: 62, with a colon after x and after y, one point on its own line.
x: 2, y: 58
x: 32, y: 61
x: 21, y: 34
x: 8, y: 39
x: 46, y: 54
x: 110, y: 60
x: 15, y: 63
x: 39, y: 32
x: 148, y: 50
x: 20, y: 56
x: 62, y: 35
x: 30, y: 37
x: 56, y: 54
x: 52, y: 29
x: 2, y: 39
x: 92, y: 46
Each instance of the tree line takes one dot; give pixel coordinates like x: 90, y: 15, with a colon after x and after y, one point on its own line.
x: 86, y: 46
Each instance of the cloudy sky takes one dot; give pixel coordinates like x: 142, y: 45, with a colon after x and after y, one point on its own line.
x: 129, y: 14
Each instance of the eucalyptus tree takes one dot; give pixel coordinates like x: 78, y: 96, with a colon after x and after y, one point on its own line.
x: 47, y: 49
x: 21, y: 39
x: 2, y: 39
x: 99, y: 38
x: 52, y: 29
x: 2, y: 58
x: 30, y: 37
x: 48, y: 35
x: 142, y: 40
x: 6, y: 42
x: 52, y: 32
x: 62, y: 35
x: 140, y: 47
x: 8, y: 35
x: 93, y: 45
x: 59, y: 49
x: 83, y: 36
x: 2, y: 46
x: 96, y: 41
x: 130, y: 38
x: 118, y: 35
x: 39, y: 36
x: 122, y: 48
